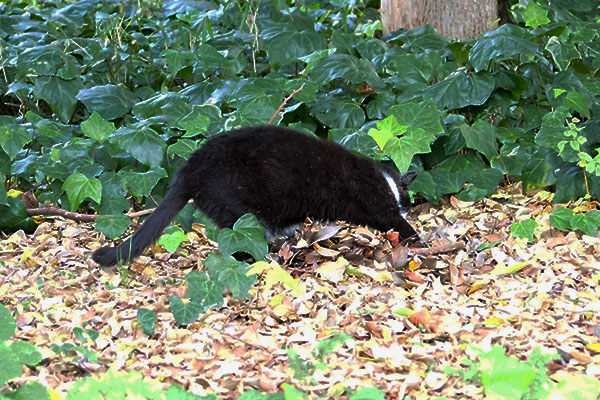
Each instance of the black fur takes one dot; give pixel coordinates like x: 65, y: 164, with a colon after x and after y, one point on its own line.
x: 282, y: 177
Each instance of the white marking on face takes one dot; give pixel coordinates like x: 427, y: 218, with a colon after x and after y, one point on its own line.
x: 393, y: 187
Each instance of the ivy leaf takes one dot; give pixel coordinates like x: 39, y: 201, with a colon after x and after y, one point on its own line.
x: 561, y: 217
x: 172, y: 238
x: 184, y: 313
x: 97, y: 128
x: 461, y: 89
x: 59, y: 94
x: 147, y: 320
x: 143, y: 144
x: 142, y: 183
x: 481, y: 137
x: 79, y: 187
x: 202, y: 289
x: 386, y: 129
x: 524, y: 229
x: 285, y: 44
x: 502, y: 43
x: 535, y: 15
x: 110, y: 101
x: 183, y: 148
x: 576, y: 101
x: 8, y: 326
x: 247, y: 235
x: 424, y: 115
x: 113, y: 226
x: 585, y: 224
x: 345, y: 66
x: 233, y: 274
x: 12, y: 138
x: 14, y: 216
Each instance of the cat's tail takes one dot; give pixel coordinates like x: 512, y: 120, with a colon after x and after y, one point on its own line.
x: 175, y: 199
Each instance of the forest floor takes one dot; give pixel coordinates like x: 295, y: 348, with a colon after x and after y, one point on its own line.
x: 406, y: 317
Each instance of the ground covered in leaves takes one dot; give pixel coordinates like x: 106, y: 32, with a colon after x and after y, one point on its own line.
x: 407, y: 316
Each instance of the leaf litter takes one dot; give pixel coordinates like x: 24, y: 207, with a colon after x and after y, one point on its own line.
x: 408, y: 316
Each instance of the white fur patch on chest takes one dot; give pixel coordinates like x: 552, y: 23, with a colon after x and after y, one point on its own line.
x: 393, y: 187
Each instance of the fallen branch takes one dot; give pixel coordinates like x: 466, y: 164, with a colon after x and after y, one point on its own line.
x: 76, y: 216
x: 444, y: 248
x: 284, y: 103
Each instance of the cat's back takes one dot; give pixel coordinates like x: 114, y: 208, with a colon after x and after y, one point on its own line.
x: 270, y: 146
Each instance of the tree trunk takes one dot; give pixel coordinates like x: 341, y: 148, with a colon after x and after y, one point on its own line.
x: 461, y: 19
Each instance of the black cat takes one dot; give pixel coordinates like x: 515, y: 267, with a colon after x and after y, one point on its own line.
x: 281, y: 176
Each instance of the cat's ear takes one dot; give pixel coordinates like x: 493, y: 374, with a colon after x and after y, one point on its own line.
x: 407, y: 178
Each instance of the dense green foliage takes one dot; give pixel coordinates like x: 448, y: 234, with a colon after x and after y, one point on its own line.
x: 106, y: 99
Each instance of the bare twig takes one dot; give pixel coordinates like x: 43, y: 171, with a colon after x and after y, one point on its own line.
x: 285, y: 102
x: 445, y: 248
x: 76, y: 216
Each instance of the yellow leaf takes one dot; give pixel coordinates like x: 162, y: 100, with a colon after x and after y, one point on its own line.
x: 275, y: 274
x: 413, y: 265
x: 493, y: 321
x: 480, y: 284
x: 405, y: 312
x: 503, y: 269
x: 333, y: 271
x: 595, y: 347
x: 13, y: 193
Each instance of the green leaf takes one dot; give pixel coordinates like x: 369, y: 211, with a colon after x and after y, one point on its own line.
x: 97, y: 128
x: 202, y: 289
x: 113, y: 226
x: 172, y: 238
x: 79, y: 187
x: 25, y: 353
x: 577, y: 101
x: 535, y: 16
x: 539, y: 170
x: 505, y: 42
x: 327, y: 346
x: 110, y: 101
x: 114, y: 199
x: 562, y: 52
x: 425, y: 184
x: 60, y: 94
x: 231, y: 273
x: 147, y: 320
x: 142, y: 183
x: 524, y: 229
x: 170, y: 107
x: 402, y: 150
x: 32, y: 390
x: 461, y: 89
x: 585, y: 224
x: 8, y: 326
x: 481, y: 137
x: 367, y: 394
x: 424, y: 115
x: 184, y: 313
x: 350, y: 68
x: 561, y: 217
x: 247, y: 235
x: 339, y: 110
x: 12, y: 138
x: 182, y: 148
x: 11, y: 367
x: 285, y: 44
x: 143, y: 144
x: 177, y: 59
x: 386, y: 129
x: 14, y: 216
x: 504, y: 377
x: 448, y: 181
